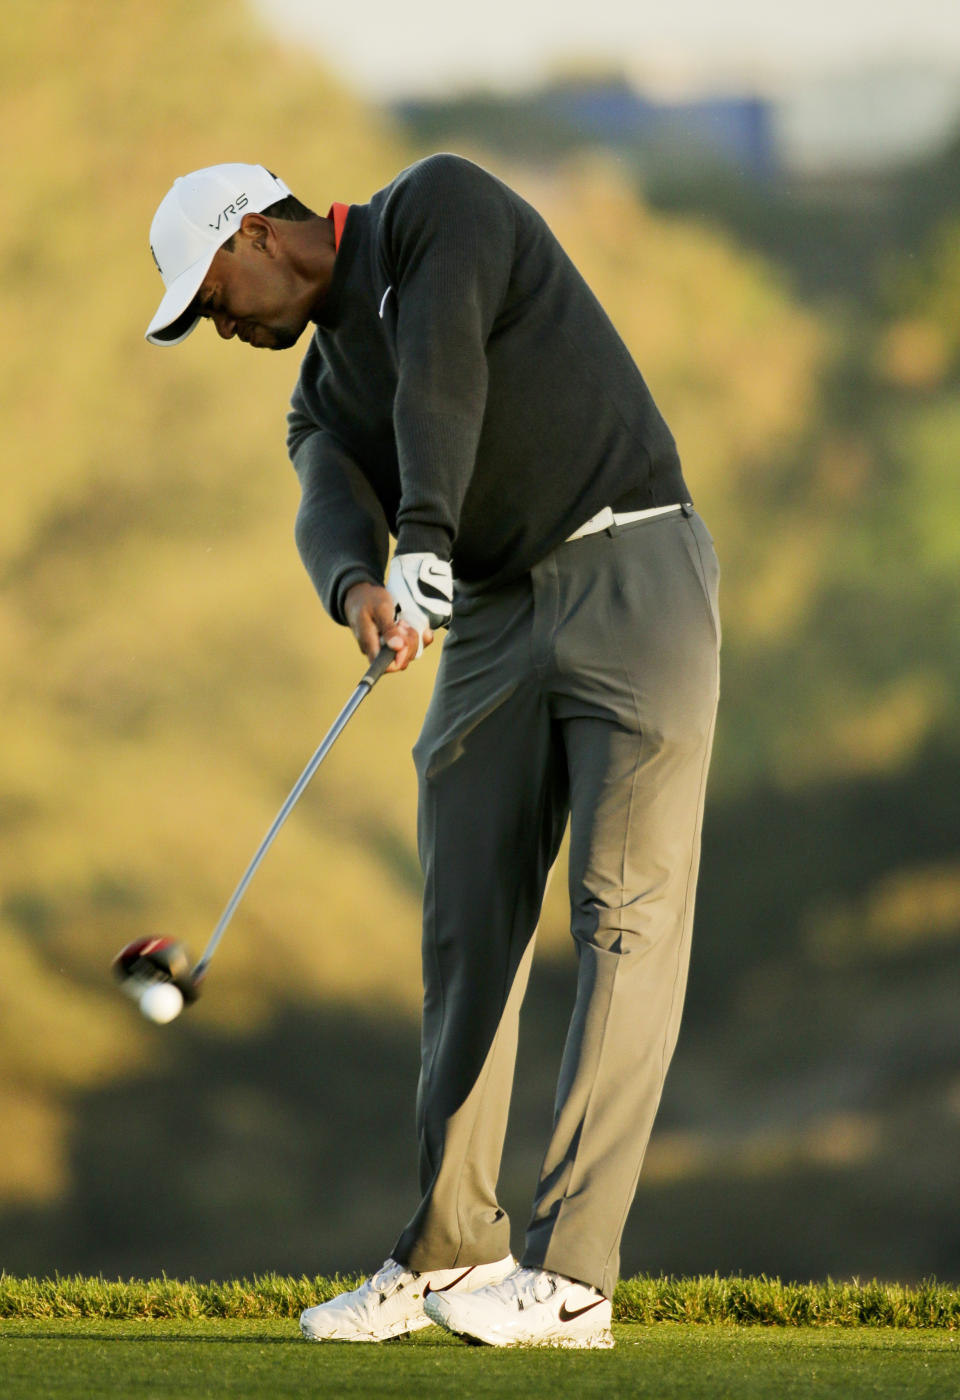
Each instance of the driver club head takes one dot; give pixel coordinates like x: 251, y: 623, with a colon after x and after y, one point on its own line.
x: 148, y: 961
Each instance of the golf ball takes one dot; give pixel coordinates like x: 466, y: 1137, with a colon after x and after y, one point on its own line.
x: 161, y: 1002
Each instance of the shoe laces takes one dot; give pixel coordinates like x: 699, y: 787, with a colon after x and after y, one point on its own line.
x: 389, y: 1277
x: 527, y: 1287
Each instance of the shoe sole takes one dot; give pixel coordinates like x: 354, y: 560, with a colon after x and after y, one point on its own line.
x: 594, y: 1341
x: 599, y: 1341
x: 399, y: 1329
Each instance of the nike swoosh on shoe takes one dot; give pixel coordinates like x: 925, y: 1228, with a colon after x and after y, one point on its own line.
x: 567, y: 1316
x: 452, y: 1284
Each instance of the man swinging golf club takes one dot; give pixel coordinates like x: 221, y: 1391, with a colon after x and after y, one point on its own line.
x: 463, y: 391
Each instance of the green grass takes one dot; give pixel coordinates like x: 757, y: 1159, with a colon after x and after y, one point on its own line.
x: 677, y: 1339
x: 645, y: 1300
x: 74, y: 1359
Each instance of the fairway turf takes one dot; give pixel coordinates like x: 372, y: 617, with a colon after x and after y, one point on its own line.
x: 69, y: 1359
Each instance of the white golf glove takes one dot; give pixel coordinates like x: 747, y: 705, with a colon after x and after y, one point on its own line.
x: 422, y: 586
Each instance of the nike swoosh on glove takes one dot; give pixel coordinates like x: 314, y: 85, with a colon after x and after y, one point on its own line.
x: 422, y: 587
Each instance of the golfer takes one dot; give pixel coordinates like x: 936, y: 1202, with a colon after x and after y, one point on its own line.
x: 464, y: 392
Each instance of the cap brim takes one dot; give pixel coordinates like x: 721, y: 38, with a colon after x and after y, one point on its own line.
x: 174, y: 320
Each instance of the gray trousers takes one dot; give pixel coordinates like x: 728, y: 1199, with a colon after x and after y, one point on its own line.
x: 587, y: 689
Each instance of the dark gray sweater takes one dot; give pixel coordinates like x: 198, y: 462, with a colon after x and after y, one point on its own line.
x: 464, y: 391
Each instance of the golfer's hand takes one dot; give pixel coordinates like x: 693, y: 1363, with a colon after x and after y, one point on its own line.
x: 422, y: 586
x: 371, y: 616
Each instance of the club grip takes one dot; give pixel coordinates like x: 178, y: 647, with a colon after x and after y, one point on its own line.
x: 377, y: 666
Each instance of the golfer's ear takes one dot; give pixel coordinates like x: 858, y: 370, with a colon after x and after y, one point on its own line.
x: 259, y: 232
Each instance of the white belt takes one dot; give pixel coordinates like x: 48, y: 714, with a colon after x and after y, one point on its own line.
x: 607, y: 517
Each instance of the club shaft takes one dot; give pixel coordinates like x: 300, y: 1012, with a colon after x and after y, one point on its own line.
x: 375, y: 671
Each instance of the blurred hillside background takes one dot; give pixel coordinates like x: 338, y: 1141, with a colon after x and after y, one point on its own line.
x: 785, y: 265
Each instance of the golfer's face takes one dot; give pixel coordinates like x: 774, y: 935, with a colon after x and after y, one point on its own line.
x: 249, y: 293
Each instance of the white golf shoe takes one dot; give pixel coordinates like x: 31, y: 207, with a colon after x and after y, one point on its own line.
x: 390, y: 1302
x: 529, y: 1308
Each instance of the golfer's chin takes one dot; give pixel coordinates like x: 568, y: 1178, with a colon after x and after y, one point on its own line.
x: 273, y: 337
x: 282, y: 339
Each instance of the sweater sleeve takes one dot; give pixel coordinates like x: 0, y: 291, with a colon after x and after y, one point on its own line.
x: 341, y: 530
x: 448, y: 233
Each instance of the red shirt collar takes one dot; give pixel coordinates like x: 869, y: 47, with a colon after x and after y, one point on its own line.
x: 338, y: 213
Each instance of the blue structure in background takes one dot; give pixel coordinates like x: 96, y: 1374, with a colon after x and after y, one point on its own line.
x: 682, y: 137
x: 738, y: 130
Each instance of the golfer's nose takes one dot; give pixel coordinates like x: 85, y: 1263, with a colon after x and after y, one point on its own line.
x: 226, y: 325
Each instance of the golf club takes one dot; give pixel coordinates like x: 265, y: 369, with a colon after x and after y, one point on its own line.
x: 156, y: 971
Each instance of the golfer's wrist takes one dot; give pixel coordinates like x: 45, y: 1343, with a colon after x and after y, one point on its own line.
x: 345, y: 585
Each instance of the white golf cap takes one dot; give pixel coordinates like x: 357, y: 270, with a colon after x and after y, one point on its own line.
x: 194, y: 219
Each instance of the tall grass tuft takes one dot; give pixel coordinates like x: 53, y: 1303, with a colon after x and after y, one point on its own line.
x: 770, y: 1302
x: 266, y: 1295
x: 709, y: 1299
